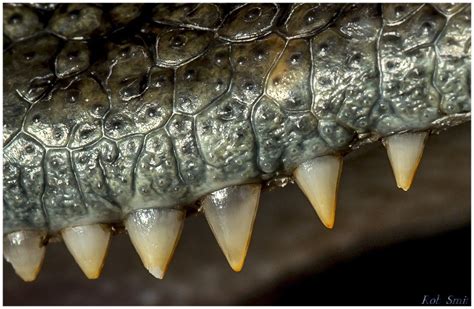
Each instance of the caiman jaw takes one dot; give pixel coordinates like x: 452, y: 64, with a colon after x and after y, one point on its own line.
x: 134, y: 121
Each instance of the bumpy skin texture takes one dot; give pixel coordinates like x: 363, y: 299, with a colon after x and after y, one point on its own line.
x: 108, y: 109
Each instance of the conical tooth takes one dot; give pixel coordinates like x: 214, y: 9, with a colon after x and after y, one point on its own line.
x: 25, y: 251
x: 154, y: 233
x: 230, y: 213
x: 319, y: 181
x: 404, y: 152
x: 88, y: 245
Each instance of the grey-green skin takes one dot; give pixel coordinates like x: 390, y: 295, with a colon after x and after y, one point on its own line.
x: 109, y: 109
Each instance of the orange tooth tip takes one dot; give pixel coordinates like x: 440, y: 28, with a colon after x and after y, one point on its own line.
x: 25, y: 251
x: 154, y: 233
x: 231, y: 213
x: 319, y: 181
x: 88, y: 244
x: 405, y: 152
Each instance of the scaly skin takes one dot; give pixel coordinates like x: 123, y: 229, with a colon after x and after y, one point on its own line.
x: 108, y: 110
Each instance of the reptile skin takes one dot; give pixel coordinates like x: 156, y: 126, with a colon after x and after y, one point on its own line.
x: 109, y: 109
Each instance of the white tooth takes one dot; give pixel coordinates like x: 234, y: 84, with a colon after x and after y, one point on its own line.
x: 154, y: 233
x: 319, y: 181
x: 405, y: 152
x: 25, y: 251
x: 88, y: 245
x: 230, y: 213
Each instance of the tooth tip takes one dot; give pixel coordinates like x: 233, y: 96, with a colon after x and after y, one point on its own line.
x: 327, y: 219
x: 92, y: 277
x: 404, y: 187
x: 329, y: 225
x: 237, y: 267
x: 91, y: 271
x: 235, y: 254
x: 236, y: 260
x: 26, y: 276
x: 157, y: 272
x: 93, y: 274
x: 403, y: 181
x: 27, y: 279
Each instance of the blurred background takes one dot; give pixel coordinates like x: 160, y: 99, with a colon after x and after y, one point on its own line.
x: 388, y: 247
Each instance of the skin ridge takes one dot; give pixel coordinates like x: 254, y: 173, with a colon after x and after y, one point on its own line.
x: 169, y: 108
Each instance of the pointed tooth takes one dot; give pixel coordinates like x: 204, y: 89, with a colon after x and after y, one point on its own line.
x: 230, y: 213
x: 88, y: 245
x: 405, y: 152
x: 25, y: 251
x: 319, y: 181
x: 154, y: 233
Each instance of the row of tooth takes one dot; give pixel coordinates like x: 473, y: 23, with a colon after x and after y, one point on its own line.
x: 230, y: 213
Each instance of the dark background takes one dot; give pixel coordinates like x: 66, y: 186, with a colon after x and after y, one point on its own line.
x: 401, y: 274
x: 388, y: 247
